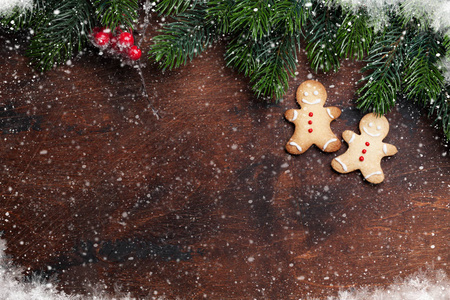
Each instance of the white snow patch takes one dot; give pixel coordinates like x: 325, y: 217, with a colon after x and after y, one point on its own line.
x: 434, y: 12
x: 431, y: 284
x: 13, y: 287
x: 7, y: 6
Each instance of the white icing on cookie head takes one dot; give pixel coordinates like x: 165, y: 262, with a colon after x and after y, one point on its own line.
x: 311, y: 92
x: 374, y: 126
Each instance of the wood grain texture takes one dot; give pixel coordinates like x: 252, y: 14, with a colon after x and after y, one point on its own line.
x: 205, y: 201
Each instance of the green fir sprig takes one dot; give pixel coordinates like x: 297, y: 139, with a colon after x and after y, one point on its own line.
x: 321, y: 31
x: 354, y: 37
x: 113, y: 13
x: 383, y: 79
x: 184, y: 38
x: 61, y: 34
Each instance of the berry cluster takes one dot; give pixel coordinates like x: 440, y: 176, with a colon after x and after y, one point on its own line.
x: 118, y: 42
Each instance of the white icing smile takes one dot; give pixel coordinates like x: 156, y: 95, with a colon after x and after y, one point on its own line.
x: 311, y: 103
x: 371, y: 134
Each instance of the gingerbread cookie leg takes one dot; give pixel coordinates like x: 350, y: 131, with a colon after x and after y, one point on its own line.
x: 330, y: 144
x: 295, y: 146
x: 374, y: 174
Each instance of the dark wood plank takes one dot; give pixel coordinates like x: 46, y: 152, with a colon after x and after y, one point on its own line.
x: 205, y: 200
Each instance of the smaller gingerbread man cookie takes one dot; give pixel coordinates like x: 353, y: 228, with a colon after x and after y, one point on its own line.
x: 365, y: 151
x: 312, y: 121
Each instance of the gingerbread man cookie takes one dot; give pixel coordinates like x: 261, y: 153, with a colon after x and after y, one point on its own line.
x: 365, y: 151
x: 312, y: 121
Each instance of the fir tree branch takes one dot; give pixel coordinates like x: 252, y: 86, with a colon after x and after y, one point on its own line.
x: 219, y: 12
x: 183, y: 39
x: 252, y: 15
x: 63, y: 32
x: 354, y: 37
x: 277, y: 62
x: 175, y: 7
x: 291, y: 15
x: 113, y: 13
x: 242, y: 53
x: 423, y: 78
x: 320, y: 36
x: 268, y: 62
x: 384, y: 65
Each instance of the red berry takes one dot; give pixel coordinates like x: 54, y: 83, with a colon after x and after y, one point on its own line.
x: 311, y: 114
x: 310, y: 130
x: 101, y: 38
x: 361, y: 158
x: 364, y: 151
x: 134, y: 53
x: 126, y: 39
x: 309, y: 122
x: 367, y: 144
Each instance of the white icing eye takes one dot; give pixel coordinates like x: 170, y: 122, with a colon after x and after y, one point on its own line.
x: 378, y: 127
x: 316, y: 93
x: 370, y: 124
x: 305, y: 93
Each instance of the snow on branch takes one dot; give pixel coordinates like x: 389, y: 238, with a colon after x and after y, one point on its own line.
x: 433, y: 12
x: 7, y: 6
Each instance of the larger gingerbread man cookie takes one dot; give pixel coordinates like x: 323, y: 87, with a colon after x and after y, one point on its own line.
x: 365, y: 151
x: 312, y: 121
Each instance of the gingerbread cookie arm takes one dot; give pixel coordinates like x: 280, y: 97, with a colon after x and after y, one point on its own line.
x: 389, y: 149
x: 291, y: 115
x: 341, y: 164
x: 333, y: 112
x: 349, y: 136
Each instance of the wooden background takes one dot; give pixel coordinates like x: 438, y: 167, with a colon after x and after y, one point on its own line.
x: 205, y: 202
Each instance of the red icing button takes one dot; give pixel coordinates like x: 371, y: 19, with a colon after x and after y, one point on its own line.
x: 361, y: 158
x: 311, y: 114
x: 310, y: 130
x: 364, y: 151
x: 309, y: 122
x: 367, y: 144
